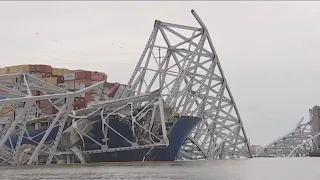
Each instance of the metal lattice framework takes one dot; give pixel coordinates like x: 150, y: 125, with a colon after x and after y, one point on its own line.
x: 178, y: 74
x: 19, y: 92
x: 65, y: 128
x: 297, y: 143
x: 181, y: 61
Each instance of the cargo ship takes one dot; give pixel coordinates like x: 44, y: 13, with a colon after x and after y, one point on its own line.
x: 178, y: 128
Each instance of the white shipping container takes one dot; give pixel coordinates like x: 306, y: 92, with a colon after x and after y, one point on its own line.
x: 69, y: 76
x: 71, y: 85
x: 63, y: 85
x: 82, y: 85
x: 94, y: 97
x: 77, y: 86
x: 97, y: 91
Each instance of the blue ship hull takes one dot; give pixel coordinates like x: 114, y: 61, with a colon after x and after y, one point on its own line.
x: 176, y: 135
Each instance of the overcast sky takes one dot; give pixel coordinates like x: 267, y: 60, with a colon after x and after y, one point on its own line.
x: 269, y: 51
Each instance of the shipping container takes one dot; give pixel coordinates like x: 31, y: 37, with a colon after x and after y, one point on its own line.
x: 82, y: 86
x: 70, y: 76
x: 60, y: 79
x: 47, y: 111
x: 13, y: 69
x: 3, y: 70
x: 63, y: 85
x: 24, y: 68
x: 33, y: 68
x: 43, y: 68
x: 97, y: 76
x: 57, y: 72
x: 76, y: 86
x: 51, y: 80
x: 60, y: 71
x: 46, y: 75
x: 69, y: 84
x: 66, y: 71
x: 82, y: 74
x: 86, y: 82
x: 55, y: 111
x: 112, y: 87
x: 36, y: 93
x: 5, y: 112
x: 43, y: 104
x: 79, y: 103
x: 87, y: 97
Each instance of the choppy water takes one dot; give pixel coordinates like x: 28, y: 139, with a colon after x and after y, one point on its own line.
x: 250, y: 169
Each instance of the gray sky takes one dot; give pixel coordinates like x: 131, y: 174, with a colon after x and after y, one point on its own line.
x: 268, y: 50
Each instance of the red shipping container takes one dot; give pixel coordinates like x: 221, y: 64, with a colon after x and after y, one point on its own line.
x: 87, y: 97
x: 35, y: 93
x: 33, y: 68
x: 46, y: 75
x: 38, y: 68
x: 88, y: 75
x: 47, y: 111
x: 44, y: 104
x: 95, y: 76
x: 80, y: 75
x: 43, y: 68
x: 54, y: 111
x: 112, y: 87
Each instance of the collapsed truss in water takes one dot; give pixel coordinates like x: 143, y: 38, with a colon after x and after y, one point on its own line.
x: 298, y: 143
x: 181, y: 61
x: 178, y: 72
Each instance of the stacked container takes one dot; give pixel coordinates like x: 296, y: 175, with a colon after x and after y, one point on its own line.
x: 69, y: 80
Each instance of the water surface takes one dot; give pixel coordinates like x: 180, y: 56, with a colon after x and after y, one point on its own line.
x: 248, y: 169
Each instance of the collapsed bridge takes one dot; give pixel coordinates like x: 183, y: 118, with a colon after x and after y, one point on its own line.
x: 177, y: 105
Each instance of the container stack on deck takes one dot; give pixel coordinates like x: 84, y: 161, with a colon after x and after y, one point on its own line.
x: 71, y: 80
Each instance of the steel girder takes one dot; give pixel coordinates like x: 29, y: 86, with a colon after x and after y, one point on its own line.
x: 182, y: 62
x: 19, y: 93
x: 67, y: 127
x: 297, y: 143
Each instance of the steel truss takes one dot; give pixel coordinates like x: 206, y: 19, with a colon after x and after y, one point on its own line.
x: 297, y: 143
x: 65, y: 128
x: 182, y: 62
x: 178, y: 73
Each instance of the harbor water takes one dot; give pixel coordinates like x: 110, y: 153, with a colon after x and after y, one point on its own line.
x: 247, y: 169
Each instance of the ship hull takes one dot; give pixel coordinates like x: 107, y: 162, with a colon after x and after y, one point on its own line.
x: 176, y: 135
